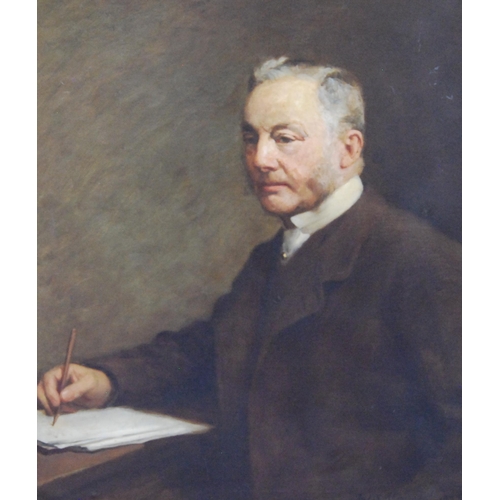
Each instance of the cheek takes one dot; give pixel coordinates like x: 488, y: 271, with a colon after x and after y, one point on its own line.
x: 304, y: 166
x: 305, y: 170
x: 248, y: 156
x: 249, y: 163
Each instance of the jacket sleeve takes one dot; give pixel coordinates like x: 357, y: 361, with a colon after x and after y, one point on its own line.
x: 174, y: 365
x: 427, y: 308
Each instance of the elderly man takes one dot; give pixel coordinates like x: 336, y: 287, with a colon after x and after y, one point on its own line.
x: 336, y: 355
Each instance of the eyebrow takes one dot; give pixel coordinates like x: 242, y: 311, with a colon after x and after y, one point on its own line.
x: 246, y: 127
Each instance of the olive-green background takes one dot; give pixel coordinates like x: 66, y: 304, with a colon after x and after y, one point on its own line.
x: 144, y: 215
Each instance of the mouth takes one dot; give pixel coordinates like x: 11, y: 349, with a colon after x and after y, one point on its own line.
x: 271, y: 187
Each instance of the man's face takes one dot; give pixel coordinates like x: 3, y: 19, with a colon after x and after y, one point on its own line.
x: 291, y: 159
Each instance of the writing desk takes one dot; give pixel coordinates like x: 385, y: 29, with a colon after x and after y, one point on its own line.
x: 174, y: 468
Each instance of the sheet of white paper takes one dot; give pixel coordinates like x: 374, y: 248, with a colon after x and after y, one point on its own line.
x: 110, y: 427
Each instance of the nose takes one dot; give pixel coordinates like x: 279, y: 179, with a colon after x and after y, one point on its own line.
x: 264, y: 155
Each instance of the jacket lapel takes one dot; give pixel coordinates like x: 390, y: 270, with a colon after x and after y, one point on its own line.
x: 329, y: 255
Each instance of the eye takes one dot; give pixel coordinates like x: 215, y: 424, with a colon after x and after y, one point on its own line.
x: 249, y: 138
x: 284, y: 139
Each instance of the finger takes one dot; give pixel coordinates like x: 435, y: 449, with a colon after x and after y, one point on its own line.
x: 50, y: 383
x: 69, y: 408
x: 43, y: 399
x: 77, y: 389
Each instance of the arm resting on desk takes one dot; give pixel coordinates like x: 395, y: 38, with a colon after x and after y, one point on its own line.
x: 174, y: 365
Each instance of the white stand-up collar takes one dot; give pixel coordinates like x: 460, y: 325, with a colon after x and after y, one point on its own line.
x: 332, y: 207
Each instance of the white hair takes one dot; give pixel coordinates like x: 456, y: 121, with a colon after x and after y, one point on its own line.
x: 339, y: 91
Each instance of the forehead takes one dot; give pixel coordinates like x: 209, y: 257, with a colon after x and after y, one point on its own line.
x: 286, y: 100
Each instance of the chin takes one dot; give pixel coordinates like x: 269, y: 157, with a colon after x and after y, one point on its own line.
x: 279, y: 207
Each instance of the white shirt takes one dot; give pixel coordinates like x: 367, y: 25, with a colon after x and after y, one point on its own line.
x: 307, y: 223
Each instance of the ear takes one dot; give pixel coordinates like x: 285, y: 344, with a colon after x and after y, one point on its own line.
x: 353, y: 146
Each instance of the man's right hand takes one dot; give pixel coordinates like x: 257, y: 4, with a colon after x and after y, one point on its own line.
x: 86, y: 388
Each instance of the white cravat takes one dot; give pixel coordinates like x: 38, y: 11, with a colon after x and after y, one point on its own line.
x: 307, y: 223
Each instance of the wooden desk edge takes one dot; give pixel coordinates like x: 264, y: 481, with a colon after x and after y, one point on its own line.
x: 56, y: 466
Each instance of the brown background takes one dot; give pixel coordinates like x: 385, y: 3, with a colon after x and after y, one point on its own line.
x: 144, y: 216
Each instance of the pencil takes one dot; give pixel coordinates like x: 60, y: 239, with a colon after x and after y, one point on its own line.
x: 64, y: 379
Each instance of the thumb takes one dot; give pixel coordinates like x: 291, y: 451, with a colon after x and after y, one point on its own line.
x: 77, y: 389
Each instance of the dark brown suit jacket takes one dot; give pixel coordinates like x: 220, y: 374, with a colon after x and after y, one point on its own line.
x: 338, y: 374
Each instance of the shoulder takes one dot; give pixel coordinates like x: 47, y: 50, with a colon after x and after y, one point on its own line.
x: 406, y: 239
x: 421, y: 270
x: 397, y: 253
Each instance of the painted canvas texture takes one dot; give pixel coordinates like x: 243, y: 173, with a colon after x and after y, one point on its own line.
x: 145, y: 214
